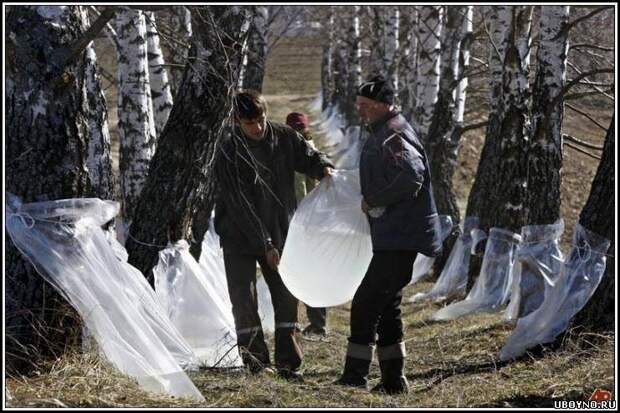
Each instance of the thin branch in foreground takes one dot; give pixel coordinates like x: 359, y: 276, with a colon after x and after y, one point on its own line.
x: 474, y: 126
x: 578, y: 149
x: 575, y: 109
x: 581, y: 142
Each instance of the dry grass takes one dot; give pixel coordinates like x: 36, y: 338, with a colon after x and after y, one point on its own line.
x: 450, y: 364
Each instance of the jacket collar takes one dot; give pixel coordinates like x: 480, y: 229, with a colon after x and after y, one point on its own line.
x: 378, y: 124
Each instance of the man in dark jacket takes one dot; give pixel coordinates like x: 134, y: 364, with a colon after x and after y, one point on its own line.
x: 255, y: 203
x: 398, y: 200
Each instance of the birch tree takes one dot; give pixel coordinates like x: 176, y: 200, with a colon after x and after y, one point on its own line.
x: 327, y: 66
x: 99, y: 159
x: 390, y: 57
x: 48, y: 119
x: 180, y: 23
x: 178, y: 196
x: 161, y: 91
x: 598, y: 215
x: 545, y: 148
x: 256, y: 56
x: 444, y: 133
x: 430, y: 23
x: 136, y: 125
x: 408, y: 59
x: 354, y: 78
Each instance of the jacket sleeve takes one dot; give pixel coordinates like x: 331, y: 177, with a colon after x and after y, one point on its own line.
x: 307, y: 159
x: 236, y: 195
x: 403, y: 173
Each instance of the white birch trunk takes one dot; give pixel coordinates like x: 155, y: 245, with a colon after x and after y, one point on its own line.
x: 545, y: 152
x: 99, y: 161
x: 255, y: 57
x: 161, y: 92
x: 390, y: 57
x: 461, y: 90
x: 427, y: 84
x: 181, y: 23
x: 136, y: 125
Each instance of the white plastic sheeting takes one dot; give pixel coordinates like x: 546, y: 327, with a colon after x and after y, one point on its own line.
x: 452, y: 281
x: 151, y: 307
x: 265, y: 306
x: 195, y: 307
x: 328, y: 247
x: 538, y: 263
x: 317, y: 103
x: 491, y: 290
x: 578, y: 279
x: 212, y: 263
x: 423, y: 264
x: 347, y: 153
x: 64, y: 241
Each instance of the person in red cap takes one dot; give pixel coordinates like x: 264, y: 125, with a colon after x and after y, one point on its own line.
x: 304, y: 184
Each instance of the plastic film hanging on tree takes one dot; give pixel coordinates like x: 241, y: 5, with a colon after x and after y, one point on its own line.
x: 423, y: 264
x: 578, y: 279
x: 195, y: 307
x: 328, y: 247
x: 65, y: 243
x: 491, y: 290
x: 452, y: 281
x: 539, y: 261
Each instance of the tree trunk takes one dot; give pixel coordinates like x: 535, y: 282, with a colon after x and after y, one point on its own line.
x: 407, y: 62
x: 161, y: 92
x: 341, y: 56
x: 99, y: 159
x: 178, y: 196
x: 254, y: 69
x: 136, y: 126
x: 498, y: 195
x: 181, y: 24
x: 376, y: 23
x: 545, y: 152
x: 429, y: 49
x: 390, y: 57
x: 444, y: 133
x: 598, y: 215
x: 47, y: 130
x: 354, y: 79
x: 327, y: 66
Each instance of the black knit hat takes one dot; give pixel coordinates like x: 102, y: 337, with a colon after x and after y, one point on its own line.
x: 377, y: 88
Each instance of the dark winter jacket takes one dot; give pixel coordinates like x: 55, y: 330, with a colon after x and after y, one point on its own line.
x: 394, y: 173
x: 256, y: 187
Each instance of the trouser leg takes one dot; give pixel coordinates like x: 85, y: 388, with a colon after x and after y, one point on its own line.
x: 317, y: 317
x: 288, y: 354
x: 376, y: 304
x: 241, y: 279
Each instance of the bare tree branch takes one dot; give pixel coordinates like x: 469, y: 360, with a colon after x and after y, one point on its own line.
x: 581, y: 142
x: 587, y: 16
x: 591, y: 46
x: 578, y: 149
x: 573, y: 108
x: 584, y: 75
x: 473, y: 126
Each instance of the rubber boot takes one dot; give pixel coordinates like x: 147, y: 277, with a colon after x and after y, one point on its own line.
x: 355, y: 373
x: 356, y: 365
x: 392, y: 364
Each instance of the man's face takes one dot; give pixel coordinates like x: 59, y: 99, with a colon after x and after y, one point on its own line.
x: 370, y: 110
x: 254, y: 128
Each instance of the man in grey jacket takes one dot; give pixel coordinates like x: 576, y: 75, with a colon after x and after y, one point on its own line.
x: 398, y: 200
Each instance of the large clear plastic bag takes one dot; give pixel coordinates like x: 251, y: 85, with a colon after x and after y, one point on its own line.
x: 491, y: 290
x: 328, y: 247
x: 578, y: 279
x: 348, y: 152
x: 423, y: 264
x: 538, y: 263
x: 65, y: 243
x: 151, y: 307
x: 195, y: 307
x: 452, y: 281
